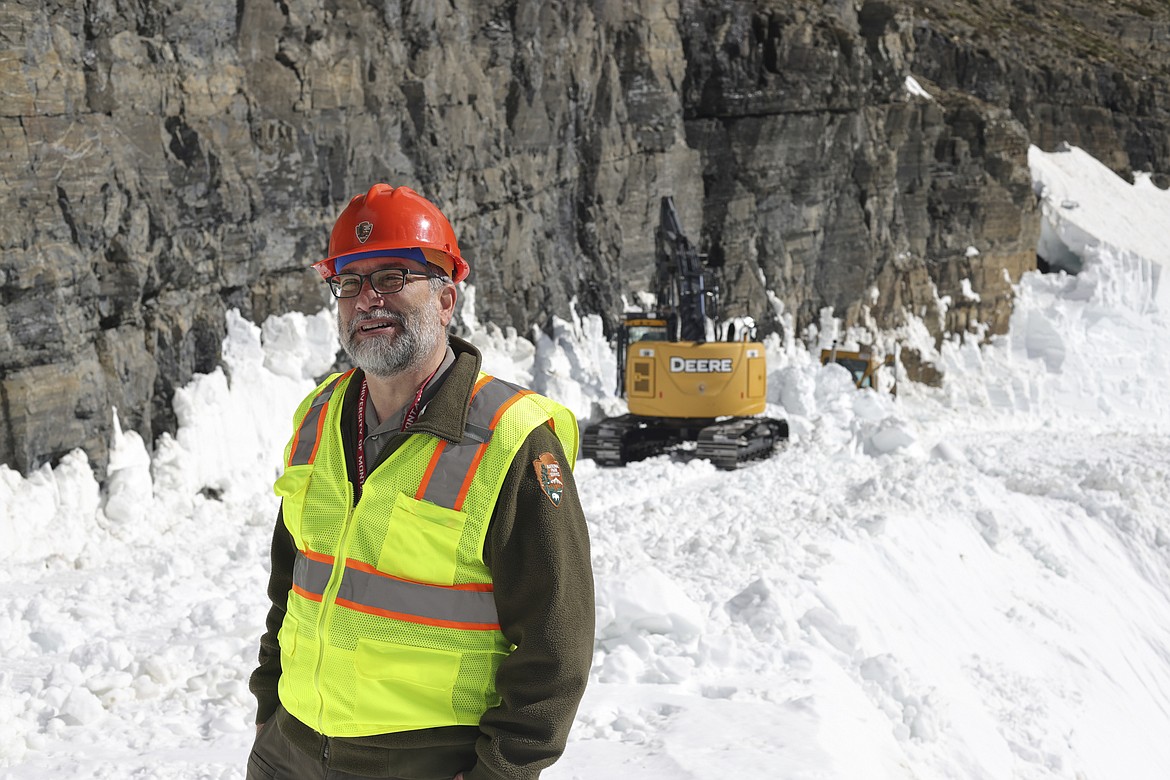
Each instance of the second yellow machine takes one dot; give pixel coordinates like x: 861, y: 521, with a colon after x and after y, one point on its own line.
x: 685, y: 376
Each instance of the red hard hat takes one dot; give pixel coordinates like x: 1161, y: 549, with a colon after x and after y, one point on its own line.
x: 384, y: 222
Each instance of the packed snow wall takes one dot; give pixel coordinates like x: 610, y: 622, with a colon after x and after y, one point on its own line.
x: 1080, y: 199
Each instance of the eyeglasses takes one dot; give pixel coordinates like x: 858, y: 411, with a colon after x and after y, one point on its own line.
x: 384, y: 281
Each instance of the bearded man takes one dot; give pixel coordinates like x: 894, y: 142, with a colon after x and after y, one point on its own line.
x: 431, y: 588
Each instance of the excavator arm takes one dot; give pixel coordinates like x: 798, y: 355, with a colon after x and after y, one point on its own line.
x: 687, y: 295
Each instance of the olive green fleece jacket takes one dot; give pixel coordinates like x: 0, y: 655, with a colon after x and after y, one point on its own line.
x: 538, y: 554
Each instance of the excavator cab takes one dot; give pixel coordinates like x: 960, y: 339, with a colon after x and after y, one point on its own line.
x: 638, y: 328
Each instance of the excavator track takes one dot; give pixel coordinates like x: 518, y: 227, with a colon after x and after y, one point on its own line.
x: 731, y: 443
x: 625, y: 439
x: 605, y: 442
x: 727, y: 443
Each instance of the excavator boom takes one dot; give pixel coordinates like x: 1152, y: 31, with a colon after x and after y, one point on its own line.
x: 682, y: 282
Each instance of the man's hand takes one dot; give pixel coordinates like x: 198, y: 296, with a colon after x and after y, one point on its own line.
x: 458, y: 776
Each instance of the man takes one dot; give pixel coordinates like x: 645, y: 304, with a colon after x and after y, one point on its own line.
x: 432, y: 596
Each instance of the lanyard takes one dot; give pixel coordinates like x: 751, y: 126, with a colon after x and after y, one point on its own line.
x: 407, y: 421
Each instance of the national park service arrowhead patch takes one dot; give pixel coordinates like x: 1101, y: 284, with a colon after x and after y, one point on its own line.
x: 548, y: 474
x: 363, y: 231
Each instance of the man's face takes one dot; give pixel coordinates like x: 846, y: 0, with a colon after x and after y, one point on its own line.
x: 388, y: 334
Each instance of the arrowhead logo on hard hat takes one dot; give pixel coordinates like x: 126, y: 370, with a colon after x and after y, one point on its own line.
x: 363, y: 231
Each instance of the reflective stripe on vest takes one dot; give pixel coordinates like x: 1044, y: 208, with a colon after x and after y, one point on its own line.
x: 308, y: 435
x: 452, y: 467
x: 311, y: 575
x: 364, y: 588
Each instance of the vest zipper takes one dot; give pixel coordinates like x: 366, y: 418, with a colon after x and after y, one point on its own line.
x: 325, y: 751
x: 327, y: 603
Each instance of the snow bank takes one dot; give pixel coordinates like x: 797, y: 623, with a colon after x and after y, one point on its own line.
x: 1087, y: 207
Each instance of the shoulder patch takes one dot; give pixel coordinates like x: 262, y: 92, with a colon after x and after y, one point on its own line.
x: 548, y: 474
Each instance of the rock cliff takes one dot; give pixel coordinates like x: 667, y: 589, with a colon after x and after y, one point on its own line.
x: 166, y: 161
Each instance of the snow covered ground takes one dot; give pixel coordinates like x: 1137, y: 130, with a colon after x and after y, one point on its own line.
x: 965, y: 582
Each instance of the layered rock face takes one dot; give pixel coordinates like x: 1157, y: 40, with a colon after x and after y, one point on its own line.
x: 164, y: 162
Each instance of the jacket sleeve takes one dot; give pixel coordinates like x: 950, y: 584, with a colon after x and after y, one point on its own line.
x: 538, y: 553
x: 264, y: 679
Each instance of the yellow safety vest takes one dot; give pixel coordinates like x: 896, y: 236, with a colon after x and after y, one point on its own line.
x: 391, y: 622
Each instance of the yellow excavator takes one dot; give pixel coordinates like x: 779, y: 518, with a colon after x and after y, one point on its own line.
x: 864, y: 366
x: 681, y: 381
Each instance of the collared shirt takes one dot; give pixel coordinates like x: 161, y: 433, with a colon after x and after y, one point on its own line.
x: 377, y: 436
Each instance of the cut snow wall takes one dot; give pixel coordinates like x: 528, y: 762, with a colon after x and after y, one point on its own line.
x: 1088, y: 208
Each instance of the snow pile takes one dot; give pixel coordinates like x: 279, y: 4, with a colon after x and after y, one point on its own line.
x: 965, y: 582
x: 1088, y: 208
x: 573, y: 364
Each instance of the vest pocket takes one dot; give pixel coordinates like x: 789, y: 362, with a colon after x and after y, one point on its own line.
x: 287, y: 637
x: 422, y: 541
x: 292, y: 486
x: 291, y: 682
x: 405, y: 685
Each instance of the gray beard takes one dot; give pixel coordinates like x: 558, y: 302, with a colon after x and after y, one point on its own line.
x: 418, y: 335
